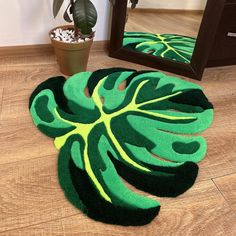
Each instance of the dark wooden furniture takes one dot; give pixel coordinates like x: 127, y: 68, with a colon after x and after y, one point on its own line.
x: 223, y: 51
x: 211, y: 36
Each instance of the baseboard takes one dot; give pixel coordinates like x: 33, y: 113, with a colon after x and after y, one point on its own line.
x: 170, y: 11
x: 100, y: 45
x: 44, y: 49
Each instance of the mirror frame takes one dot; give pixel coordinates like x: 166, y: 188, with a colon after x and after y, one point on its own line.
x: 205, y: 40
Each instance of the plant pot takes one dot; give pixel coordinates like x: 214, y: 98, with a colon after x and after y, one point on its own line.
x: 71, y: 57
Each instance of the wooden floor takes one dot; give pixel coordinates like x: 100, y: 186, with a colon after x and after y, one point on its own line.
x: 31, y: 200
x: 164, y: 22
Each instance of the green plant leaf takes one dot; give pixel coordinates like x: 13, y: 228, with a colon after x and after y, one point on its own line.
x: 138, y: 132
x: 133, y: 3
x: 85, y: 16
x: 57, y: 6
x: 169, y: 46
x: 66, y: 15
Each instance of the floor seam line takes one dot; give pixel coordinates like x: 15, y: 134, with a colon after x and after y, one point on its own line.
x: 223, y: 196
x: 34, y: 158
x: 28, y: 226
x: 1, y: 103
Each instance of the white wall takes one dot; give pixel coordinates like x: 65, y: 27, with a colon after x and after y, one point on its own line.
x: 173, y: 4
x: 27, y: 22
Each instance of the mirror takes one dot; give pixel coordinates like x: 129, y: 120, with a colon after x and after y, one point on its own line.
x: 166, y: 29
x: 174, y: 35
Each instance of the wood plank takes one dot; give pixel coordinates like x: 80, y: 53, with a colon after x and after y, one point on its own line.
x: 17, y: 130
x: 219, y: 86
x: 1, y: 98
x: 200, y: 211
x: 30, y: 193
x: 164, y: 22
x: 219, y: 82
x: 165, y: 10
x: 26, y: 76
x: 227, y: 186
x: 15, y: 103
x: 20, y: 140
x: 220, y: 138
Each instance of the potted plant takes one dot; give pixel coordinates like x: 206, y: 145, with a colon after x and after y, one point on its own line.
x: 72, y: 43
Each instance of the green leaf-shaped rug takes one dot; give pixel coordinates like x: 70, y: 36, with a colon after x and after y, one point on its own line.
x: 135, y: 132
x: 170, y: 46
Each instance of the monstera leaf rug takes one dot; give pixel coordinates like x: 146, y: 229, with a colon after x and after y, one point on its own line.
x: 141, y: 132
x: 170, y: 46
